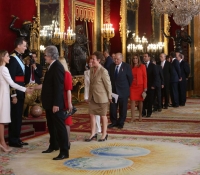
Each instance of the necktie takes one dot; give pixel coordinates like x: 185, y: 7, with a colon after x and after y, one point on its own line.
x: 116, y: 71
x: 32, y: 74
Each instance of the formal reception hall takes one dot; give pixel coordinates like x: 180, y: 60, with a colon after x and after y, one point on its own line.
x: 100, y: 87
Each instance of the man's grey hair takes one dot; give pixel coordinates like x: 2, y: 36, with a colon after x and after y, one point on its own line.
x: 52, y: 52
x: 120, y: 55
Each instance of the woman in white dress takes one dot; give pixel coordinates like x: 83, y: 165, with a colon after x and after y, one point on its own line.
x: 86, y: 95
x: 5, y: 81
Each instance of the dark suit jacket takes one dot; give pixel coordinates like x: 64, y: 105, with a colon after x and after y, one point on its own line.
x: 166, y: 73
x: 53, y: 87
x: 160, y: 79
x: 16, y: 70
x: 108, y: 62
x: 122, y: 83
x: 175, y: 71
x: 185, y: 70
x: 152, y: 76
x: 37, y: 74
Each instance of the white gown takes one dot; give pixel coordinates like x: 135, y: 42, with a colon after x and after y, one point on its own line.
x: 5, y: 81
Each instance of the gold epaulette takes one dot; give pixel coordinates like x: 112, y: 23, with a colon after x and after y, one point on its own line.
x: 13, y: 54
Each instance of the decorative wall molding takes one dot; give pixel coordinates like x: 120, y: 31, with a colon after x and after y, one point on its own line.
x: 106, y: 11
x: 84, y: 11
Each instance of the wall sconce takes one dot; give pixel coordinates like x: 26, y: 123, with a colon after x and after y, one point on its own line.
x: 107, y: 32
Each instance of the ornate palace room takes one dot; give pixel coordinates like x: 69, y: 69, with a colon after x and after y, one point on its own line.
x: 107, y: 87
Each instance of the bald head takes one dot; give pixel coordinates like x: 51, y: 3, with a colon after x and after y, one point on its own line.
x: 118, y: 58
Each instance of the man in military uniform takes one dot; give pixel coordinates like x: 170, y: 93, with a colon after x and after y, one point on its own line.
x: 17, y: 69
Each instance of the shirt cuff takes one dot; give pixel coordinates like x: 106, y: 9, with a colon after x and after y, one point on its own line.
x: 13, y: 95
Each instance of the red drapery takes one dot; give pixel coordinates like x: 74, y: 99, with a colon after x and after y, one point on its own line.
x: 25, y: 10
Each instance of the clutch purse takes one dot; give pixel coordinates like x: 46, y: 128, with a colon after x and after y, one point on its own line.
x: 144, y: 94
x: 67, y: 113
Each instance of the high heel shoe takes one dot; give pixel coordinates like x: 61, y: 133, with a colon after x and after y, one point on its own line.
x: 102, y: 140
x: 4, y: 149
x: 90, y: 139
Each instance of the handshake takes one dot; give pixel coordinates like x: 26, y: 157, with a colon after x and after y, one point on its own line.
x: 29, y: 90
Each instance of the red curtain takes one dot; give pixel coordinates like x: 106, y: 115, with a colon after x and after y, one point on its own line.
x: 144, y: 18
x: 116, y: 44
x: 25, y: 10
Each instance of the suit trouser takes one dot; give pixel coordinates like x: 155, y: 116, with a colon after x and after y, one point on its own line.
x: 148, y: 102
x: 174, y: 93
x: 122, y: 104
x: 14, y: 129
x: 157, y: 98
x: 182, y: 92
x: 165, y: 95
x: 57, y: 131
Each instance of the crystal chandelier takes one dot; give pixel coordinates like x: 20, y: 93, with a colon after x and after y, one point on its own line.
x: 182, y: 10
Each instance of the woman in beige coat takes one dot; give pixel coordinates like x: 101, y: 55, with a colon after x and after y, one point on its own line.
x: 99, y: 96
x: 5, y: 81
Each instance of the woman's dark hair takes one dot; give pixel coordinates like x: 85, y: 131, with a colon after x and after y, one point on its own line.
x: 139, y: 61
x: 99, y: 55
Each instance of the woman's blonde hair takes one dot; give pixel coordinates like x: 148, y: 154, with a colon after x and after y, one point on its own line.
x: 64, y: 63
x: 2, y: 54
x: 139, y: 61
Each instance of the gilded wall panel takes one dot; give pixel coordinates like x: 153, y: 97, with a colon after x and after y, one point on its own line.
x: 197, y: 55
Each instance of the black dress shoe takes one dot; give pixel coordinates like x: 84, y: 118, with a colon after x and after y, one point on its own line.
x: 165, y: 107
x: 120, y: 127
x: 160, y: 109
x: 49, y: 150
x: 170, y: 105
x: 112, y: 125
x: 176, y: 106
x: 143, y: 115
x: 23, y: 143
x: 90, y: 139
x: 102, y: 140
x: 16, y: 145
x: 61, y: 157
x: 148, y: 115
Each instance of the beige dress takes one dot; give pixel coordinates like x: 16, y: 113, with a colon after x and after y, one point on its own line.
x: 5, y: 81
x: 99, y: 92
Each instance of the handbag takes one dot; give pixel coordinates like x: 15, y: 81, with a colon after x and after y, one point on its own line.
x: 144, y: 94
x: 67, y: 113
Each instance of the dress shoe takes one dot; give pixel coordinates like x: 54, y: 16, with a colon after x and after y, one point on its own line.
x: 143, y: 115
x: 49, y: 150
x: 159, y: 110
x: 165, y: 107
x: 90, y: 139
x: 170, y: 105
x: 23, y: 143
x: 16, y: 145
x: 102, y: 140
x: 148, y: 115
x: 182, y: 104
x: 154, y: 110
x: 61, y: 157
x: 112, y: 125
x: 176, y: 106
x: 120, y: 127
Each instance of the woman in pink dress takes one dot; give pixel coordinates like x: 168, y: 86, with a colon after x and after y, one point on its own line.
x: 138, y: 86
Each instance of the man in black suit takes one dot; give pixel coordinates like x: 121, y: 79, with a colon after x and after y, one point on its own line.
x: 108, y: 60
x: 174, y: 79
x: 182, y: 85
x: 152, y: 77
x: 33, y: 71
x: 159, y: 86
x: 53, y: 103
x: 166, y: 68
x: 17, y: 69
x: 121, y: 78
